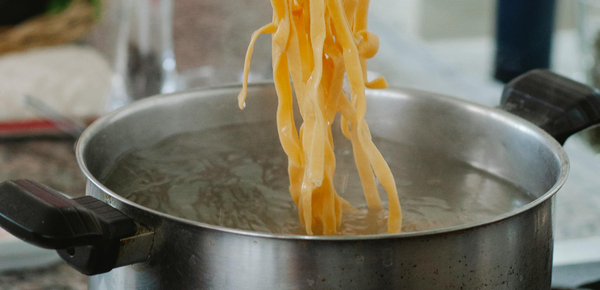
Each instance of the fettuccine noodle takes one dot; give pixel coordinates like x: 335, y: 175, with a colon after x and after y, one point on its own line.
x: 316, y: 43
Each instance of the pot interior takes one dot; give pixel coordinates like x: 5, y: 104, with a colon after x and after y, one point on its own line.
x: 196, y: 156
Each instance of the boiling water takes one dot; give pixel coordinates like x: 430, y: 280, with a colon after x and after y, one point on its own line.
x: 236, y: 177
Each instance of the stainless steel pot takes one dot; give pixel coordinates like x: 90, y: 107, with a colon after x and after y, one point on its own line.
x: 103, y: 230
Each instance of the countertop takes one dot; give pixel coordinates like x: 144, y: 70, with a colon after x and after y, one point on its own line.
x: 54, y: 277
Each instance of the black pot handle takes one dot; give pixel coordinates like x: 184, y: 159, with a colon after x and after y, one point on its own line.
x: 560, y: 106
x: 86, y: 232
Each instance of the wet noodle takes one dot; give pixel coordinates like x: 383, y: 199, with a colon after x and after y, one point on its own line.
x: 316, y: 43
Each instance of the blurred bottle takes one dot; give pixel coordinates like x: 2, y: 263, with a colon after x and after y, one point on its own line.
x: 211, y: 38
x: 524, y: 36
x: 151, y: 62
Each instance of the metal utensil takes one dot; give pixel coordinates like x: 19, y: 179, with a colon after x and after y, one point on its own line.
x: 69, y: 125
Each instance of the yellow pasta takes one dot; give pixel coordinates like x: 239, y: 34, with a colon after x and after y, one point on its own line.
x: 316, y: 43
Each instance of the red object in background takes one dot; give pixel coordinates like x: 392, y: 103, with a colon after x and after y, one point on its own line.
x: 31, y: 127
x: 27, y: 128
x: 26, y: 125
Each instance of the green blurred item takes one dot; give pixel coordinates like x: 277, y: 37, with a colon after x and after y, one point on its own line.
x: 58, y: 6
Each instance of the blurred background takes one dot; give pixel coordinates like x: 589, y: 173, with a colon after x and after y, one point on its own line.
x: 124, y: 51
x: 63, y: 63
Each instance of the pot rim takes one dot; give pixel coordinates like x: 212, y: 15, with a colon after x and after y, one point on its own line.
x: 97, y: 126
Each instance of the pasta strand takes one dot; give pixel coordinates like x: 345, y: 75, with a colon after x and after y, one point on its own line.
x: 317, y: 43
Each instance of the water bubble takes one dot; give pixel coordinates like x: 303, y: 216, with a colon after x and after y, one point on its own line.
x: 192, y: 260
x: 388, y: 261
x: 388, y: 257
x: 359, y: 258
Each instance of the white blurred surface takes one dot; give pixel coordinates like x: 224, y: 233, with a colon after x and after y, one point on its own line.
x: 73, y: 80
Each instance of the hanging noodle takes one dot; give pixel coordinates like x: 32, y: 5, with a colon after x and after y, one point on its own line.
x: 317, y: 42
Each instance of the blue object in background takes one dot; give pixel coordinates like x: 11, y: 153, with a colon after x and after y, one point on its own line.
x: 524, y: 31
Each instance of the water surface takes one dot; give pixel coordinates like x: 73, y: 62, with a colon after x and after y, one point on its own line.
x: 236, y: 177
